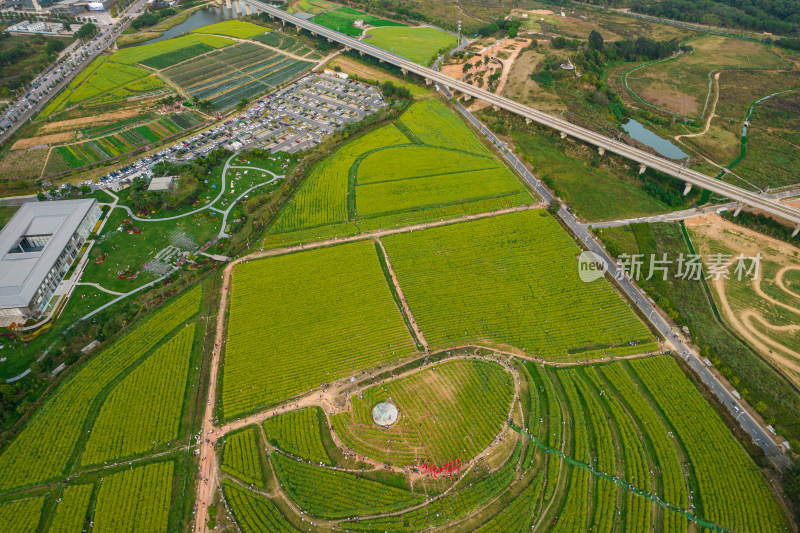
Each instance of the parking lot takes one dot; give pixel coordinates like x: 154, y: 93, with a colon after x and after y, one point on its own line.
x: 293, y: 119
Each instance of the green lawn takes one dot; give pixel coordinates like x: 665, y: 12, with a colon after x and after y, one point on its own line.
x: 419, y: 44
x: 128, y: 253
x: 6, y: 212
x: 233, y: 28
x: 595, y: 192
x: 341, y: 20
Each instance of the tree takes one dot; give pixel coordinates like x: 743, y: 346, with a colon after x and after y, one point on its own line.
x: 553, y: 207
x: 596, y: 40
x: 791, y: 484
x: 242, y: 104
x: 86, y: 31
x: 41, y: 196
x: 85, y: 189
x: 466, y: 68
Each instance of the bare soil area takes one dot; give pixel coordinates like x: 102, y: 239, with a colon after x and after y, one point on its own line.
x: 94, y: 120
x: 42, y: 140
x: 760, y: 331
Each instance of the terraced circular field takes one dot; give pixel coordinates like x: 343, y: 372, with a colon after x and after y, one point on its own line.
x: 448, y: 412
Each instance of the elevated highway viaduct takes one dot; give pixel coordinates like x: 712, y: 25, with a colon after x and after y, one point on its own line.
x: 604, y: 144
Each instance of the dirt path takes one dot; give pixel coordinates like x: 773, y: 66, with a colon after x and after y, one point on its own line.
x: 402, y: 297
x: 711, y: 114
x: 751, y: 323
x: 742, y: 323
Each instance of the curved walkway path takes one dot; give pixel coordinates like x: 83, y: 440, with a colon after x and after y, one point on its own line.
x: 100, y: 287
x: 210, y: 205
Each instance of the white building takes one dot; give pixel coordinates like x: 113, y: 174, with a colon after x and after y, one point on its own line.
x: 37, y: 247
x: 27, y: 26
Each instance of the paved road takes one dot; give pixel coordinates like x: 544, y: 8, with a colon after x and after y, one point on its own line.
x: 675, y: 216
x: 667, y: 166
x: 759, y: 434
x: 96, y: 50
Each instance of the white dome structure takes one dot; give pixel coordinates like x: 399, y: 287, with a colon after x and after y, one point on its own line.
x: 384, y: 414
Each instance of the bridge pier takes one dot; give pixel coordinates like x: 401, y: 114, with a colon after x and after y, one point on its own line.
x: 228, y: 4
x: 247, y: 9
x: 642, y: 168
x: 466, y: 98
x: 601, y: 150
x: 527, y: 120
x: 563, y: 135
x: 687, y: 188
x: 428, y: 81
x: 330, y: 40
x: 404, y: 71
x: 738, y: 209
x: 796, y: 230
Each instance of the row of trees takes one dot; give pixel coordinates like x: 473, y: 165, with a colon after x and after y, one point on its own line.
x: 151, y: 18
x: 775, y: 16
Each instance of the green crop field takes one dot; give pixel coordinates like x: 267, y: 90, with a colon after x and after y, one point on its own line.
x: 625, y: 445
x: 233, y: 28
x: 177, y: 56
x: 21, y: 516
x: 681, y: 85
x: 419, y: 44
x: 242, y: 456
x: 476, y: 489
x: 135, y: 500
x: 328, y: 493
x: 59, y: 101
x: 448, y: 412
x: 137, y: 54
x: 42, y: 450
x: 156, y: 387
x: 255, y: 513
x: 341, y: 19
x: 225, y: 76
x: 299, y: 320
x: 299, y: 433
x: 733, y: 492
x: 428, y: 164
x: 106, y: 77
x: 512, y: 280
x: 72, y: 510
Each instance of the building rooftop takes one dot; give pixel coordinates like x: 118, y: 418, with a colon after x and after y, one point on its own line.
x: 31, y: 243
x: 161, y: 184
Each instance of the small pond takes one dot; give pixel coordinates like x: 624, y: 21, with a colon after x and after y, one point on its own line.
x: 664, y: 147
